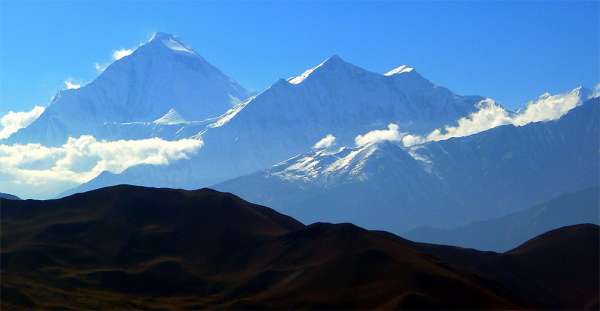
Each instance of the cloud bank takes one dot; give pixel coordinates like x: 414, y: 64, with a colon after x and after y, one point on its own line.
x: 37, y: 170
x: 11, y: 122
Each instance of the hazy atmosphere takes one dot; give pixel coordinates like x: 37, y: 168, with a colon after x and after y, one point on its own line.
x: 299, y: 155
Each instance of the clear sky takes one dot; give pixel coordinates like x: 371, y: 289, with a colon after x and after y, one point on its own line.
x: 510, y: 51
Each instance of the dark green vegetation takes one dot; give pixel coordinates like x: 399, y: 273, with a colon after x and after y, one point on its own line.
x: 133, y: 247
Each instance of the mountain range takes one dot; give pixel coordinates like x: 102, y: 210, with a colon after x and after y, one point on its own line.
x: 325, y: 145
x: 504, y: 233
x: 440, y: 183
x: 165, y: 89
x: 127, y: 247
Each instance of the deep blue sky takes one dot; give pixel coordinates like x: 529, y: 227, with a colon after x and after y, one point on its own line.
x: 510, y: 51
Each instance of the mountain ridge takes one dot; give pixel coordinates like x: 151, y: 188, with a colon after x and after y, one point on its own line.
x: 448, y: 181
x: 129, y: 246
x: 504, y: 233
x: 287, y: 119
x: 9, y: 196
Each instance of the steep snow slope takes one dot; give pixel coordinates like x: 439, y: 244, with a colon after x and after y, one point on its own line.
x: 160, y: 75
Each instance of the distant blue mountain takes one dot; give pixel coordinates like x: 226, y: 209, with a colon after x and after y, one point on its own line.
x: 8, y: 196
x: 504, y: 233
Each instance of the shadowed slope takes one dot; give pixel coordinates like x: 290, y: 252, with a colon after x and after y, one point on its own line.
x: 134, y: 247
x: 558, y: 269
x: 556, y: 259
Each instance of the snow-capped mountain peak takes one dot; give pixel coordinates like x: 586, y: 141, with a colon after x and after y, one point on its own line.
x: 171, y: 42
x: 348, y: 163
x: 399, y: 70
x: 331, y: 65
x: 299, y: 79
x: 336, y: 71
x: 161, y: 36
x: 161, y: 74
x: 304, y: 75
x: 170, y: 118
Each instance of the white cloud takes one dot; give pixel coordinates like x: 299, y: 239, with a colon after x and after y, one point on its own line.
x: 488, y: 116
x: 410, y: 140
x: 595, y: 91
x: 118, y: 54
x: 547, y: 107
x: 34, y: 168
x: 13, y: 121
x: 391, y: 134
x: 326, y: 142
x: 100, y: 67
x: 72, y: 85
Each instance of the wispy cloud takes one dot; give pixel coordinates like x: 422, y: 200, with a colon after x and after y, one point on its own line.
x: 596, y: 91
x: 391, y: 134
x: 100, y: 67
x: 120, y: 53
x: 488, y: 116
x: 116, y: 55
x: 548, y: 107
x: 13, y: 121
x: 34, y: 169
x: 71, y: 85
x: 326, y: 142
x: 545, y: 108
